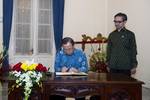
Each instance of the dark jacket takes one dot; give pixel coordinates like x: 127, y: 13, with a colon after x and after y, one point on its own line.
x: 121, y: 50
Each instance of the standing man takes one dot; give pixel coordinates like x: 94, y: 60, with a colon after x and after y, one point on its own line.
x: 121, y: 49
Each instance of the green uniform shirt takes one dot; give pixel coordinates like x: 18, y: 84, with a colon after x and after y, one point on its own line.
x: 121, y: 50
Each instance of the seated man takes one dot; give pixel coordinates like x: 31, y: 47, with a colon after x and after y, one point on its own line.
x: 70, y: 59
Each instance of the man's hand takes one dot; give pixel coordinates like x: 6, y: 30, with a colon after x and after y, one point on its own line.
x: 108, y: 69
x: 73, y: 70
x: 133, y: 70
x: 64, y: 69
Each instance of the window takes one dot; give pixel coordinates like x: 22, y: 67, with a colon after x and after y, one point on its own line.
x: 32, y: 27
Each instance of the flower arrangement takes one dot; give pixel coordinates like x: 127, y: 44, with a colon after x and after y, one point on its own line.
x: 28, y: 74
x: 97, y: 62
x: 97, y: 59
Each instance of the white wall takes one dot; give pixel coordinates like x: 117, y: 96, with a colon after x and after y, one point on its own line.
x: 138, y: 22
x: 84, y: 16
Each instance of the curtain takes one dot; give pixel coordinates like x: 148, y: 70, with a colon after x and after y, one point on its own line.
x: 7, y: 21
x: 58, y: 17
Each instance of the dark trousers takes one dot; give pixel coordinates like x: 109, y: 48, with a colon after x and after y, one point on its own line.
x: 126, y: 72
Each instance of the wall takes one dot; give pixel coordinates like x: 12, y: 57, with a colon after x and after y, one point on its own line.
x: 138, y: 22
x: 84, y: 16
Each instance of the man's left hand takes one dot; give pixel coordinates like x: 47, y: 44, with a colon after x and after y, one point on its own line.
x: 73, y: 70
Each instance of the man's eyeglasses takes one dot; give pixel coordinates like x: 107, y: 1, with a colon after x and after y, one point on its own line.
x: 118, y: 21
x: 68, y: 49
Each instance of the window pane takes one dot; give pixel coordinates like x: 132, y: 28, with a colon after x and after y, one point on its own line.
x: 23, y: 16
x: 44, y: 46
x: 44, y: 32
x: 44, y: 4
x: 23, y: 46
x: 22, y: 31
x: 23, y: 26
x: 44, y: 17
x: 23, y: 3
x: 44, y: 27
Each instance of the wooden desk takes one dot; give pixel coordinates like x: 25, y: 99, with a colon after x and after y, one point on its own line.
x: 105, y: 85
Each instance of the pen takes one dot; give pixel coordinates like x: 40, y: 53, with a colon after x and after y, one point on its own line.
x: 68, y: 69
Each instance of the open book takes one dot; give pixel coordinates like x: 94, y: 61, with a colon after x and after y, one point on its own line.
x: 72, y: 73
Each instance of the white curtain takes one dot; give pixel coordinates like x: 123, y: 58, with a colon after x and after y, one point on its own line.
x: 32, y: 29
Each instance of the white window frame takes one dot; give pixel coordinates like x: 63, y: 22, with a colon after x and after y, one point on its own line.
x: 14, y: 58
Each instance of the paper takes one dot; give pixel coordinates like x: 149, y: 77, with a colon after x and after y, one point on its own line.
x: 72, y: 73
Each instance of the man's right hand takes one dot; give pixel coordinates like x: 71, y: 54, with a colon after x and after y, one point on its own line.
x: 64, y: 69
